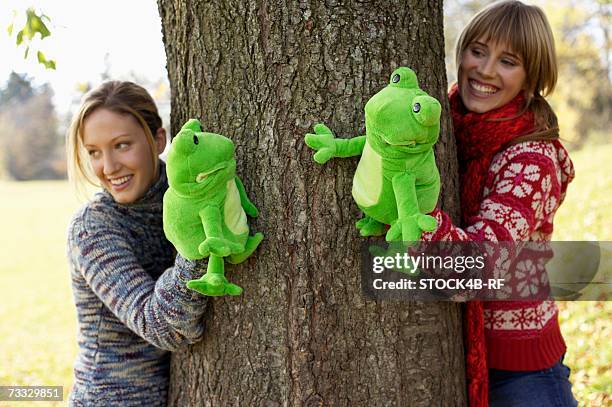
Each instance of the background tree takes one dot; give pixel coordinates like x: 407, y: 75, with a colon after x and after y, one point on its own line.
x: 18, y: 89
x: 262, y: 73
x: 29, y: 143
x: 583, y: 97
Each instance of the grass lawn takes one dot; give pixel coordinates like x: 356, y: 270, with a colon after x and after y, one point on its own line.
x: 38, y: 329
x: 586, y: 325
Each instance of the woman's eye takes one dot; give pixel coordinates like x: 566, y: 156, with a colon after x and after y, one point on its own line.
x: 508, y: 62
x: 93, y: 153
x: 121, y: 146
x: 477, y: 52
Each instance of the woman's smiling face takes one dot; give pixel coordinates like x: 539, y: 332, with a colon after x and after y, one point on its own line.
x: 120, y: 154
x: 490, y: 75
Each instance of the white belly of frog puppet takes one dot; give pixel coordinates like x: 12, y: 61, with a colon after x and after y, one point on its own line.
x: 368, y: 179
x: 233, y: 214
x: 370, y: 188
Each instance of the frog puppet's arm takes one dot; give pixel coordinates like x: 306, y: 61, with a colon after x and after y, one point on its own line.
x: 215, y: 243
x: 248, y: 206
x: 252, y: 241
x: 329, y: 147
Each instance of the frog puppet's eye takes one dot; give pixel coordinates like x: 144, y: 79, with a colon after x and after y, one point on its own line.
x: 396, y: 78
x: 196, y: 141
x: 416, y: 107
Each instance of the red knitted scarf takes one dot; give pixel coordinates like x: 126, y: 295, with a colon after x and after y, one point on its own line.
x: 479, y: 137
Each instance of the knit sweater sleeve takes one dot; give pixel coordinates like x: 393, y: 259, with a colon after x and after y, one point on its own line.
x: 164, y: 312
x: 521, y: 194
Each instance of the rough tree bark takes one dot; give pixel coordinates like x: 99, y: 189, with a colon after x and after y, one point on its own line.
x: 263, y: 73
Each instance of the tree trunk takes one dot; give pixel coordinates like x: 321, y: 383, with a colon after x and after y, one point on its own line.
x: 263, y: 73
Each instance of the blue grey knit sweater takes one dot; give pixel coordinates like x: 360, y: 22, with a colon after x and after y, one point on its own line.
x: 131, y: 300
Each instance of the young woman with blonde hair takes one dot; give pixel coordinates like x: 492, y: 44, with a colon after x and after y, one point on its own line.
x: 129, y: 288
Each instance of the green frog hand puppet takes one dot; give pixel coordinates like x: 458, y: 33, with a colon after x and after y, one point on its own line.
x: 396, y: 182
x: 205, y: 207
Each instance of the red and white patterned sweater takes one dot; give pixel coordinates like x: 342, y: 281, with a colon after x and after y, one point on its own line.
x: 525, y: 185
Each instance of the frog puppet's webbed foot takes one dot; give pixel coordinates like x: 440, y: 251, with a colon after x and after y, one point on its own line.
x: 411, y: 228
x: 214, y: 283
x: 370, y: 227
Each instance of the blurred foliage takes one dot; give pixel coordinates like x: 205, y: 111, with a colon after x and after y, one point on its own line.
x: 29, y: 143
x: 582, y: 99
x: 25, y: 27
x: 18, y: 89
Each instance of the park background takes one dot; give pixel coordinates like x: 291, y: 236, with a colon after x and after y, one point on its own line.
x: 91, y: 42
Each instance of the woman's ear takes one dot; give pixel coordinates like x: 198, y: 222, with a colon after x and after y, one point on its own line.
x: 160, y: 140
x: 529, y: 94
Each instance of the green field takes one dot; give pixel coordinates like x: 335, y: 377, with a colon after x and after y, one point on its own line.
x: 38, y: 328
x: 586, y: 326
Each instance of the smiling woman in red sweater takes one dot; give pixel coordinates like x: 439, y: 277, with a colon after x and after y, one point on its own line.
x: 514, y: 173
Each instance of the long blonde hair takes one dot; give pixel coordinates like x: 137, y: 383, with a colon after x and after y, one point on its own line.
x: 121, y: 97
x: 525, y: 29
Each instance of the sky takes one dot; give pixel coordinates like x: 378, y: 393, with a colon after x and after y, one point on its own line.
x: 86, y: 36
